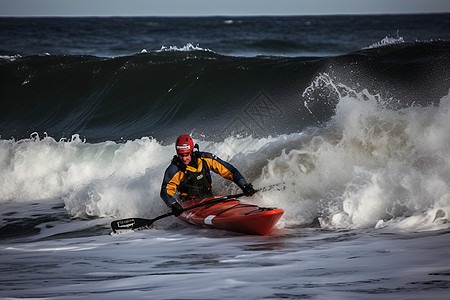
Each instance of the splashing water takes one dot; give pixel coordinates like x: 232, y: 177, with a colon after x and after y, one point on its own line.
x: 369, y: 166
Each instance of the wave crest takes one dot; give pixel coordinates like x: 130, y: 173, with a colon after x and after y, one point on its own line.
x: 186, y: 48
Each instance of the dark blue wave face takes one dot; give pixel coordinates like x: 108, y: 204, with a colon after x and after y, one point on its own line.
x: 162, y: 94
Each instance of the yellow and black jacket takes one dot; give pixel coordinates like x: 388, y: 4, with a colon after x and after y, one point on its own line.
x: 194, y: 180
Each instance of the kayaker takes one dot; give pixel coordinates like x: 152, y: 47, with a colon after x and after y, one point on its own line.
x: 188, y: 176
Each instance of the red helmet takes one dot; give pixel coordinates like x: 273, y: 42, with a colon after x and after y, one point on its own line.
x: 184, y: 144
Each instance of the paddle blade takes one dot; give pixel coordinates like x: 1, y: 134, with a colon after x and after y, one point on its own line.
x: 130, y: 224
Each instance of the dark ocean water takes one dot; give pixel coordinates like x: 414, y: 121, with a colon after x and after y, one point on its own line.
x: 87, y: 75
x: 344, y: 119
x: 248, y: 36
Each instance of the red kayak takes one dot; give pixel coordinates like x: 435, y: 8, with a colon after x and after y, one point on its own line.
x: 231, y: 214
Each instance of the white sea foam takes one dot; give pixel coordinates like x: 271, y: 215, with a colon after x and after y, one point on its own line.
x: 387, y: 41
x: 186, y: 48
x: 10, y: 57
x: 370, y: 166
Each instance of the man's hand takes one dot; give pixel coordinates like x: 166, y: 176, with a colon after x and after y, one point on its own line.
x: 177, y: 209
x: 249, y: 190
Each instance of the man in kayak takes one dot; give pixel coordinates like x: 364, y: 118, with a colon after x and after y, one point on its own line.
x: 189, y: 174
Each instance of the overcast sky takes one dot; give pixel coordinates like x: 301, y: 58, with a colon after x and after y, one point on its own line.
x: 215, y: 7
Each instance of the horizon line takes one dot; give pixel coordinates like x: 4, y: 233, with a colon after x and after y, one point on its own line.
x: 222, y: 16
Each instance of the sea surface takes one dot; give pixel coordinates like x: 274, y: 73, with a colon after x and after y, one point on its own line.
x: 342, y: 121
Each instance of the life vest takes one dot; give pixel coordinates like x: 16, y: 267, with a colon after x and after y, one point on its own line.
x: 195, y: 184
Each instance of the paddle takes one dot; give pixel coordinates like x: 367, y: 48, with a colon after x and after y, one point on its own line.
x: 140, y: 223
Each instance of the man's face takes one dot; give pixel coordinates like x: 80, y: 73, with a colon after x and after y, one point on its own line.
x: 185, y: 158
